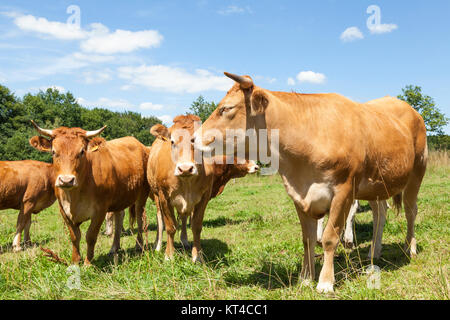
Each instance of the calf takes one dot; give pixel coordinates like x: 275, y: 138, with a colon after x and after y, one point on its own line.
x: 26, y: 186
x: 93, y: 178
x: 177, y: 181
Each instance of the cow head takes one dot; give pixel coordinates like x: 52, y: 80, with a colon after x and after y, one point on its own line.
x: 69, y: 148
x: 242, y: 108
x: 180, y: 136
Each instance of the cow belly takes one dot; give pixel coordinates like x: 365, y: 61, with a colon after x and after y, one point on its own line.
x: 378, y: 190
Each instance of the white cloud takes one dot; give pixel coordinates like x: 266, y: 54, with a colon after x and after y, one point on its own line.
x: 178, y: 80
x: 166, y: 119
x: 91, y: 77
x: 291, y: 82
x: 311, y: 77
x: 151, y: 106
x: 105, y: 103
x: 54, y: 29
x: 382, y: 28
x: 96, y: 39
x: 351, y: 34
x: 234, y: 10
x: 121, y: 41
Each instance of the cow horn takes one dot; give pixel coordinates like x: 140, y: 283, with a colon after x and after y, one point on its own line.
x: 45, y: 132
x: 91, y: 134
x: 245, y: 82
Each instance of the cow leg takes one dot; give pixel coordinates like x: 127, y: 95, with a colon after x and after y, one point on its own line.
x: 197, y: 225
x: 170, y: 223
x: 22, y: 220
x: 26, y: 232
x: 91, y: 236
x: 131, y: 217
x: 75, y: 237
x: 141, y: 220
x: 379, y: 209
x: 320, y: 230
x: 183, y: 234
x: 348, y: 234
x: 410, y: 204
x: 109, y: 224
x: 309, y: 234
x: 160, y: 226
x: 340, y: 206
x: 118, y: 225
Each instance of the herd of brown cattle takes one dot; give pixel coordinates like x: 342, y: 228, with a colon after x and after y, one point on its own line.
x: 332, y: 151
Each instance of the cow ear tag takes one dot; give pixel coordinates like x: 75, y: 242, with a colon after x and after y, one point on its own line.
x: 164, y: 138
x: 94, y: 149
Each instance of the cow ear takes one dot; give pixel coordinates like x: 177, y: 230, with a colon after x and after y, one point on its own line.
x: 259, y: 101
x: 40, y: 143
x: 95, y: 144
x: 160, y: 131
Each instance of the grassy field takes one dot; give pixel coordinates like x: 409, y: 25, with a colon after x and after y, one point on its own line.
x: 253, y: 250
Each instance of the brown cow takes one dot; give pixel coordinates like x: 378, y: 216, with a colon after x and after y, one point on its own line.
x: 93, y: 179
x: 27, y: 186
x: 109, y: 220
x: 331, y: 151
x: 177, y: 181
x: 222, y: 173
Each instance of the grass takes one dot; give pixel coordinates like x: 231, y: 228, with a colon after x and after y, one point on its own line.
x: 253, y: 250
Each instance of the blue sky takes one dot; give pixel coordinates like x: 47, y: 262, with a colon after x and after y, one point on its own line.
x: 156, y: 57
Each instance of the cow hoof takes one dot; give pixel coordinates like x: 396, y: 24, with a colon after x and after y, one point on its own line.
x: 168, y: 258
x: 325, y: 287
x: 197, y: 259
x: 17, y: 249
x: 87, y: 264
x: 157, y: 247
x: 411, y: 250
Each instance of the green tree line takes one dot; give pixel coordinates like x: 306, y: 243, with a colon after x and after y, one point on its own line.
x: 52, y: 109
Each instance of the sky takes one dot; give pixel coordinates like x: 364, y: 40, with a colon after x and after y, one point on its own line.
x: 157, y: 57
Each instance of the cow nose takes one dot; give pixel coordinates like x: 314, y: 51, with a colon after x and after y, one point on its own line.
x: 65, y: 181
x: 185, y: 169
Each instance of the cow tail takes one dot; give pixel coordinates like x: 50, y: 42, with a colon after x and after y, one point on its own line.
x: 397, y: 199
x: 132, y: 216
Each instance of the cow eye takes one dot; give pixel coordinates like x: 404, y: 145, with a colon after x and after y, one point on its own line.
x: 226, y: 109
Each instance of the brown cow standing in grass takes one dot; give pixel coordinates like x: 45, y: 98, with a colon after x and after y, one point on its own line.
x: 222, y: 173
x: 331, y: 151
x: 177, y: 181
x: 93, y: 178
x: 27, y: 186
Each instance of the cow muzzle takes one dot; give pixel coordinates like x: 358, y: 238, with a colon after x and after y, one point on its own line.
x: 185, y: 169
x: 253, y: 169
x: 66, y: 181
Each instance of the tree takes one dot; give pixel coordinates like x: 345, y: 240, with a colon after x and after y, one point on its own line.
x: 202, y: 108
x: 435, y: 120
